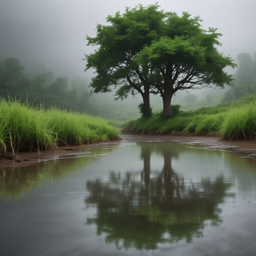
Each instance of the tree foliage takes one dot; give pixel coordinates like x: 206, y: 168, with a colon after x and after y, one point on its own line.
x: 146, y: 50
x: 42, y: 88
x: 119, y: 43
x: 245, y: 78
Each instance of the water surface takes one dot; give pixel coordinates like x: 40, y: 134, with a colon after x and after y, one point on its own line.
x: 137, y: 198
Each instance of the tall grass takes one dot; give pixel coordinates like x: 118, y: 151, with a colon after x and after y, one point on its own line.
x: 209, y: 125
x: 23, y: 127
x: 75, y: 128
x: 233, y: 121
x: 240, y: 123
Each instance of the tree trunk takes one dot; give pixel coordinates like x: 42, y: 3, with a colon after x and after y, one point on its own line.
x: 146, y: 166
x: 168, y: 173
x: 146, y: 102
x: 167, y: 109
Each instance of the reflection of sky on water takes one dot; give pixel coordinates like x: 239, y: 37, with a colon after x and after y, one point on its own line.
x: 51, y: 218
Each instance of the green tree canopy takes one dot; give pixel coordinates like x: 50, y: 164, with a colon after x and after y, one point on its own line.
x: 118, y: 44
x: 12, y: 77
x: 245, y: 78
x: 59, y: 86
x: 148, y: 51
x: 245, y: 73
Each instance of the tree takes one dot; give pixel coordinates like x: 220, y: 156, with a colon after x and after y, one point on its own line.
x: 245, y: 78
x: 118, y: 44
x: 148, y: 51
x: 39, y: 84
x: 59, y: 87
x: 12, y: 69
x: 11, y: 76
x: 185, y: 58
x: 245, y: 73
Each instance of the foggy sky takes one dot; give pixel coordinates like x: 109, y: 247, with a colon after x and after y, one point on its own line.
x: 53, y: 32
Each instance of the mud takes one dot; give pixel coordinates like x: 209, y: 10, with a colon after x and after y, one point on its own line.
x: 21, y: 159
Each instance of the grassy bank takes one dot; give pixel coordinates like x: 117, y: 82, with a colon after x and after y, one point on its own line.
x: 23, y: 127
x: 233, y: 121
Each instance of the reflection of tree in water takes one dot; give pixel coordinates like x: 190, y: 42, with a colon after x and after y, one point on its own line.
x: 146, y: 208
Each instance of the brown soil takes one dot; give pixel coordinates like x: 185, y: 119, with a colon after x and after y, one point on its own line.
x: 22, y: 159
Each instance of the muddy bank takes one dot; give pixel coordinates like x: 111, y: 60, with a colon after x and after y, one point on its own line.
x: 22, y: 159
x: 244, y: 147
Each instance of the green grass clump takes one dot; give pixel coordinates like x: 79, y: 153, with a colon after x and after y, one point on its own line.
x: 209, y: 125
x: 240, y: 123
x: 173, y: 126
x: 233, y: 120
x: 158, y: 124
x: 65, y: 128
x: 192, y: 125
x: 23, y: 127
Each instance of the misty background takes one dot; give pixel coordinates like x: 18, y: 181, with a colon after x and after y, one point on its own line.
x: 50, y: 37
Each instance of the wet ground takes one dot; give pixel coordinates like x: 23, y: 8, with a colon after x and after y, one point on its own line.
x: 21, y: 159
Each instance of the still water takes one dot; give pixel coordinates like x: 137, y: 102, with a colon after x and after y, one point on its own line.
x: 132, y: 198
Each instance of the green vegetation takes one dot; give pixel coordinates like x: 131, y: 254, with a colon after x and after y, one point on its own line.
x: 240, y: 123
x: 233, y: 120
x: 23, y: 127
x: 40, y: 87
x: 146, y: 50
x: 245, y: 78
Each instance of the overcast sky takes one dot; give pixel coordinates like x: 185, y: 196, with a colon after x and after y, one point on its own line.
x: 53, y: 32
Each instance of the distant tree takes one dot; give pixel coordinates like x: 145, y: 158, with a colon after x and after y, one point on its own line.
x: 42, y: 89
x: 246, y: 72
x: 148, y: 51
x: 12, y: 69
x: 59, y: 87
x: 49, y: 76
x: 245, y: 78
x: 39, y: 83
x: 11, y: 76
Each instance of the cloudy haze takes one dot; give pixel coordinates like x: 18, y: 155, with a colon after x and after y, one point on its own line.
x: 53, y: 32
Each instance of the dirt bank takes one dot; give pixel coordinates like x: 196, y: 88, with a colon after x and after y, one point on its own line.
x: 22, y: 159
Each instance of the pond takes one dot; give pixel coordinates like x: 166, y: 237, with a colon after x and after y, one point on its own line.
x: 131, y: 198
